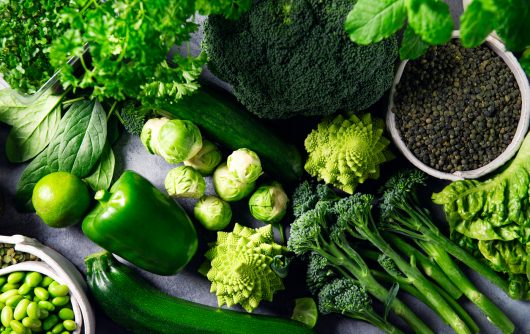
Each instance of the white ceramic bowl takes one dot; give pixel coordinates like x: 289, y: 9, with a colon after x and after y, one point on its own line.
x: 513, y: 147
x: 60, y: 269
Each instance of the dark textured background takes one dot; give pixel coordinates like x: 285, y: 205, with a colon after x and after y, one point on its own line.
x: 189, y: 284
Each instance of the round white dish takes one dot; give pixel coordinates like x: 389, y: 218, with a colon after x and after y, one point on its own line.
x: 513, y: 147
x: 60, y: 269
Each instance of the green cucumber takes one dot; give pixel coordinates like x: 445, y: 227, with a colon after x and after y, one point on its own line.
x: 137, y: 306
x: 225, y: 121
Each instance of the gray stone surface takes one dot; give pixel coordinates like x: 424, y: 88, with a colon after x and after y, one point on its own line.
x: 191, y: 285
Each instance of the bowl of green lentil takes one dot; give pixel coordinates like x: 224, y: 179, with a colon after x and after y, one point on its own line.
x: 41, y: 291
x: 459, y: 113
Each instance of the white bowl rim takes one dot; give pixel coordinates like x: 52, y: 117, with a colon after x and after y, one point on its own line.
x: 45, y: 269
x: 522, y: 127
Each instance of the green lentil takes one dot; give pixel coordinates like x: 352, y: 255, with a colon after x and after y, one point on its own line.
x: 457, y: 109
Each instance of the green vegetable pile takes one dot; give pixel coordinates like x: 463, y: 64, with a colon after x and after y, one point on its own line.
x: 287, y: 58
x: 491, y: 218
x: 33, y: 302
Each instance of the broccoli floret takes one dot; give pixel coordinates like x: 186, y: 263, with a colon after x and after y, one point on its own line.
x: 307, y: 195
x: 132, y: 117
x: 319, y: 273
x: 286, y: 58
x: 389, y: 265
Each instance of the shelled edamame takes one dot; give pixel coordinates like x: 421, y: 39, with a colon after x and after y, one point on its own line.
x: 34, y: 303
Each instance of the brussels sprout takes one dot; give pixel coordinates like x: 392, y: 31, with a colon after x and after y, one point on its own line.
x: 213, y: 213
x: 185, y: 182
x: 269, y: 203
x: 244, y: 165
x: 179, y: 140
x: 149, y: 135
x: 228, y: 187
x: 207, y: 159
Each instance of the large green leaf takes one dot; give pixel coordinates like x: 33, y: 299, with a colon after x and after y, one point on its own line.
x: 514, y: 24
x: 371, y: 21
x: 101, y: 178
x: 476, y: 24
x: 431, y: 20
x: 412, y: 46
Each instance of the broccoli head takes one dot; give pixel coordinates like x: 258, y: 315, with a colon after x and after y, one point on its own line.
x: 286, y: 58
x: 319, y: 273
x: 342, y: 295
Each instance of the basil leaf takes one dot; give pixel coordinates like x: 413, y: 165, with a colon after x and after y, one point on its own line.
x: 83, y: 142
x: 33, y: 127
x: 514, y: 24
x: 371, y: 21
x: 10, y: 107
x: 476, y: 24
x: 101, y: 178
x: 76, y: 148
x: 412, y: 46
x: 431, y: 20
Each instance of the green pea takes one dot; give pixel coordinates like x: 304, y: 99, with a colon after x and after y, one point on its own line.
x: 15, y: 277
x: 58, y: 290
x: 14, y: 300
x: 60, y: 301
x: 46, y: 305
x: 43, y: 314
x: 46, y: 281
x: 58, y: 329
x: 66, y: 314
x: 33, y: 310
x: 6, y: 316
x: 17, y: 327
x: 3, y: 280
x: 4, y: 296
x: 8, y: 287
x: 70, y: 325
x: 42, y: 293
x: 51, y: 321
x: 33, y: 279
x: 24, y: 289
x: 20, y: 310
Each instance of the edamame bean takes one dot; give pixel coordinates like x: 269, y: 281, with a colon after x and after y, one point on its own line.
x: 17, y: 327
x: 8, y: 287
x: 69, y: 325
x: 51, y: 321
x: 3, y: 280
x: 24, y: 289
x: 46, y: 305
x: 58, y: 290
x: 15, y: 277
x: 31, y: 323
x: 46, y: 281
x: 66, y: 314
x: 58, y: 329
x: 60, y: 301
x: 20, y: 310
x: 42, y: 293
x: 33, y: 279
x: 33, y: 310
x: 14, y: 300
x: 43, y: 314
x: 4, y: 296
x: 6, y: 316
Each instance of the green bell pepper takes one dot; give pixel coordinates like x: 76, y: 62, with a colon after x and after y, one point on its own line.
x: 139, y: 223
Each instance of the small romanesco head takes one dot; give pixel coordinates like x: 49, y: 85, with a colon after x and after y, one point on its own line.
x: 241, y: 267
x: 345, y: 151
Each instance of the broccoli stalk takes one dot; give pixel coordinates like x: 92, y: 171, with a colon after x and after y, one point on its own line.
x: 313, y: 233
x: 355, y: 212
x: 345, y: 297
x: 402, y: 213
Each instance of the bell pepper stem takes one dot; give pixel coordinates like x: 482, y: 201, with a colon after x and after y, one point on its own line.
x: 102, y: 196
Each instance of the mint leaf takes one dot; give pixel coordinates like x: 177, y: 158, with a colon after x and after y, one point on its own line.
x: 371, y: 21
x: 431, y: 20
x: 476, y: 24
x: 412, y: 46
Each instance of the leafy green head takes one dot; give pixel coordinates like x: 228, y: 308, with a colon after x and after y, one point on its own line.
x: 229, y: 188
x: 319, y: 273
x: 213, y: 213
x: 244, y: 165
x: 342, y: 295
x: 185, y: 182
x: 179, y: 140
x: 207, y: 159
x: 269, y: 203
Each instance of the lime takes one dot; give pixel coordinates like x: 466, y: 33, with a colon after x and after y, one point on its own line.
x: 60, y: 199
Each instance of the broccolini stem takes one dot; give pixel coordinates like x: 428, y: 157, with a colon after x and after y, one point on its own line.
x: 376, y: 320
x: 492, y: 312
x: 430, y: 269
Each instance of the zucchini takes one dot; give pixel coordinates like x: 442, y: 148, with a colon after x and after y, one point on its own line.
x: 137, y: 306
x: 226, y: 121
